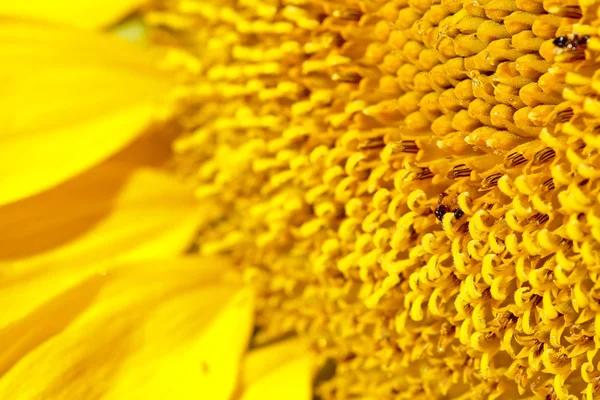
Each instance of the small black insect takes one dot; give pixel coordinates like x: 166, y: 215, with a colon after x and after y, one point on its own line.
x: 580, y: 41
x: 458, y: 213
x: 561, y: 41
x: 440, y: 211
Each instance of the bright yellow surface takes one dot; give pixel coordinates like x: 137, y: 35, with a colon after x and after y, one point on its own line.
x: 69, y: 100
x: 166, y: 329
x: 62, y: 237
x: 279, y: 371
x: 80, y: 13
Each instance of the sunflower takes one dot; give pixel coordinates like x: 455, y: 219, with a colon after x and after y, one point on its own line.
x: 101, y: 297
x: 410, y: 186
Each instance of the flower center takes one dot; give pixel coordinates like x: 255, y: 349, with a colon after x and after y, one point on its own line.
x: 413, y: 184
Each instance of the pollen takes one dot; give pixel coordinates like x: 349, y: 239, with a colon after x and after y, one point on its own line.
x: 413, y: 185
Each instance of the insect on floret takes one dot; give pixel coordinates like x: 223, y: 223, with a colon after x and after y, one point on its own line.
x: 573, y: 42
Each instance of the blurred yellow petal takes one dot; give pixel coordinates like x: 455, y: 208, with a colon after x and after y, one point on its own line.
x: 167, y: 329
x: 55, y: 240
x: 280, y: 371
x: 80, y: 13
x: 70, y: 99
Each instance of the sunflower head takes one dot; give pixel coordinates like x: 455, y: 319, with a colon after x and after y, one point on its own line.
x: 411, y: 184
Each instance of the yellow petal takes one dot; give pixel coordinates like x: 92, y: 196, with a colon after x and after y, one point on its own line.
x: 69, y: 100
x: 80, y: 13
x: 59, y: 238
x: 279, y: 371
x: 164, y: 330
